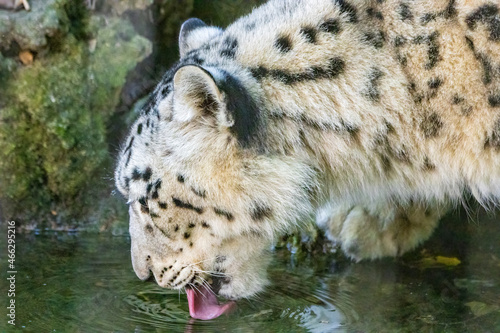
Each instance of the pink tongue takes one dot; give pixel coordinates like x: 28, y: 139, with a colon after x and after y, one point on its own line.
x: 204, y: 305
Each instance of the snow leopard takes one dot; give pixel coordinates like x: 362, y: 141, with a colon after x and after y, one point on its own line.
x: 378, y: 114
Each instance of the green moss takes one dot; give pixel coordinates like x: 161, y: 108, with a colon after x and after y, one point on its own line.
x: 78, y: 18
x: 53, y: 150
x: 7, y: 66
x: 118, y: 50
x: 223, y: 12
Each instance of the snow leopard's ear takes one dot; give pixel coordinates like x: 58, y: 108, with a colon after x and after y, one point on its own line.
x: 211, y: 93
x: 194, y: 33
x: 196, y: 94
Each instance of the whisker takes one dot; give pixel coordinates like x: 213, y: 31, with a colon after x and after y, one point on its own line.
x: 199, y: 291
x: 214, y: 273
x: 206, y: 284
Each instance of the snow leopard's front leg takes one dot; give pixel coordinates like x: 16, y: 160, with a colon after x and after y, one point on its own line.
x: 371, y: 231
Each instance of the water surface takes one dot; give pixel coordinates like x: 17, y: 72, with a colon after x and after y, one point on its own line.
x: 85, y: 283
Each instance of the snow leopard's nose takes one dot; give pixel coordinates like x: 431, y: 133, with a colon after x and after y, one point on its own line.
x: 141, y: 266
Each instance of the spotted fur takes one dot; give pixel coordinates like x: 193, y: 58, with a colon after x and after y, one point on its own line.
x: 376, y: 114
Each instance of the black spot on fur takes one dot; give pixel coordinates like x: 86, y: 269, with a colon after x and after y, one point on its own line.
x: 488, y: 15
x: 205, y: 225
x: 283, y: 44
x: 494, y: 100
x: 412, y: 87
x: 220, y: 259
x: 431, y: 125
x: 348, y: 9
x: 136, y: 174
x: 428, y: 165
x: 376, y: 39
x: 155, y: 195
x: 176, y: 228
x: 389, y: 128
x: 493, y: 141
x: 198, y: 192
x: 485, y: 62
x: 470, y: 43
x: 192, y: 57
x: 224, y: 213
x: 180, y: 178
x: 187, y: 235
x: 434, y: 83
x: 433, y: 51
x: 433, y: 48
x: 418, y: 98
x: 402, y: 155
x: 402, y: 59
x: 127, y: 183
x: 147, y: 174
x: 332, y: 26
x: 487, y: 67
x: 149, y: 228
x: 259, y: 72
x: 372, y: 91
x: 466, y: 110
x: 427, y: 18
x: 148, y: 106
x: 309, y: 34
x: 163, y: 92
x: 386, y: 163
x: 420, y: 39
x: 130, y: 143
x: 191, y: 225
x: 242, y: 108
x: 456, y: 99
x: 351, y: 129
x: 373, y: 13
x: 163, y: 205
x: 144, y: 205
x: 399, y: 41
x: 149, y: 187
x: 154, y: 215
x: 335, y: 67
x: 230, y: 45
x: 260, y: 211
x: 449, y: 12
x: 129, y: 155
x: 182, y: 204
x: 404, y: 12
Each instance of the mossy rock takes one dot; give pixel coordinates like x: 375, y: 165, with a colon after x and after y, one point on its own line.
x: 223, y: 12
x: 53, y: 150
x: 32, y: 30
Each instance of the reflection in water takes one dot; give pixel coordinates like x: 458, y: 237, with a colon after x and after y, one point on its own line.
x: 85, y: 282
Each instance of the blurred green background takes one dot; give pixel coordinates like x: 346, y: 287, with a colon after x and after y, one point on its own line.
x: 71, y: 72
